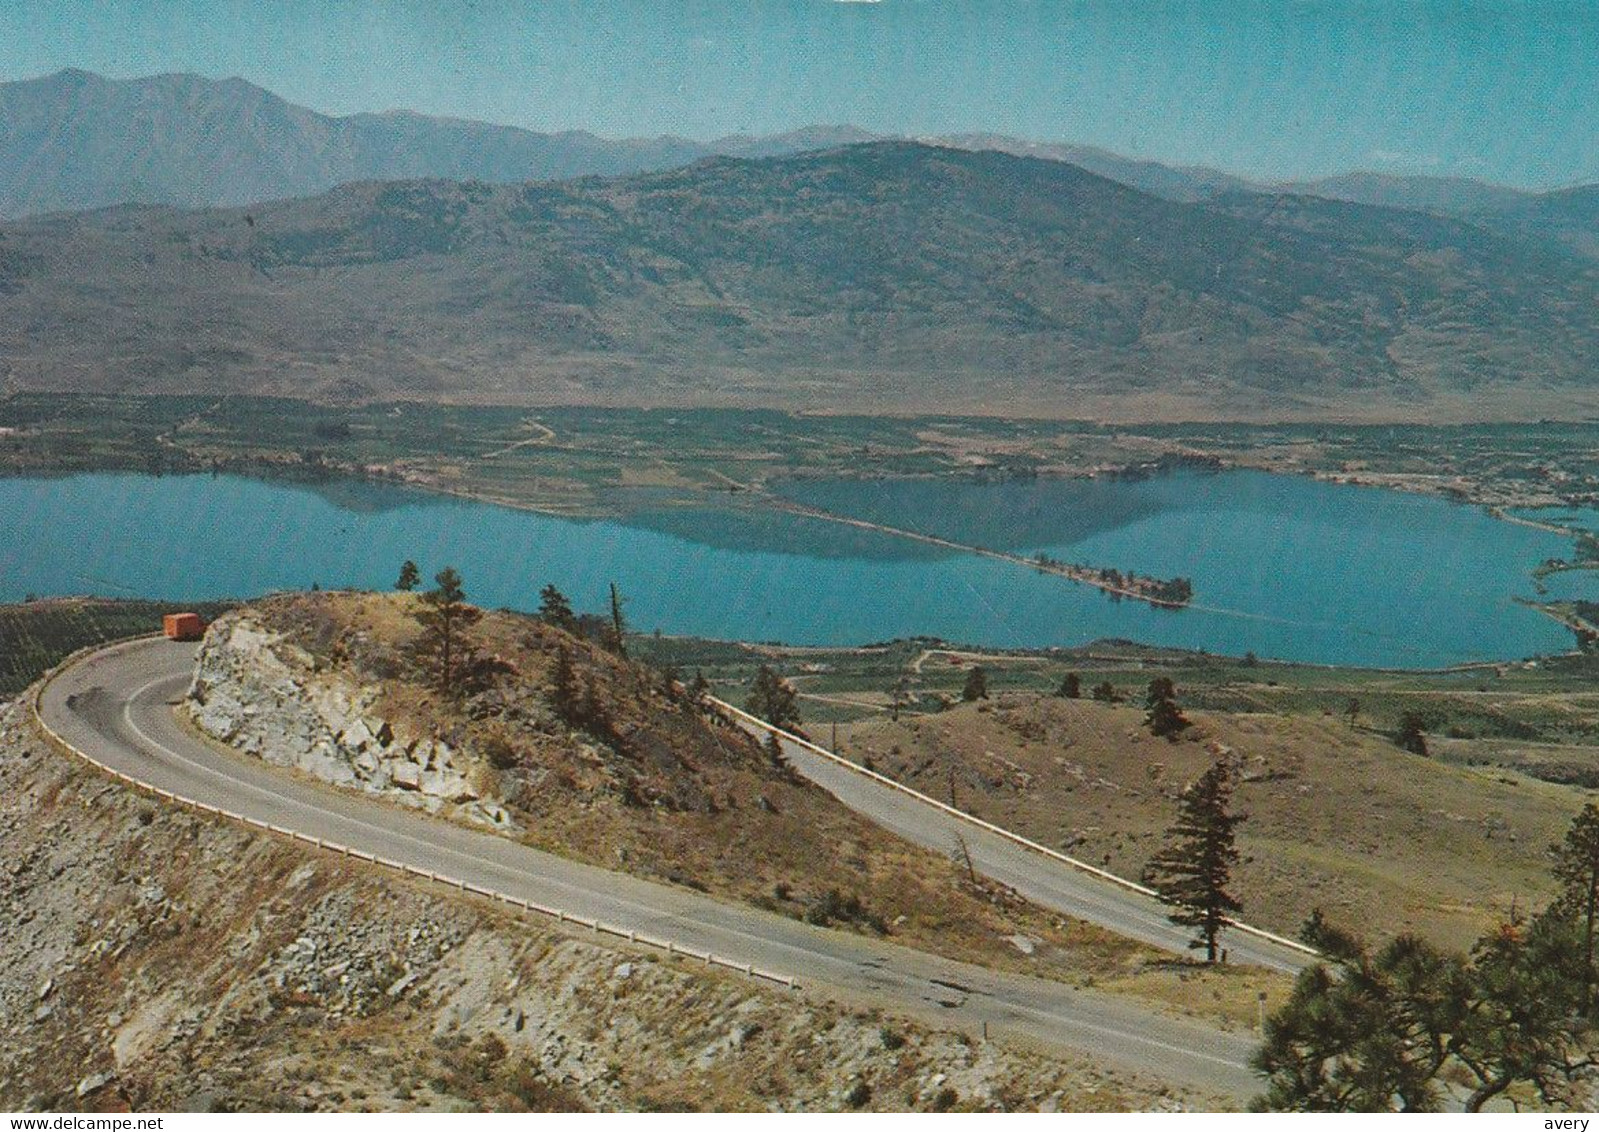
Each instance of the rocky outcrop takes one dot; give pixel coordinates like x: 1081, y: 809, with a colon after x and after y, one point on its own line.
x: 264, y: 695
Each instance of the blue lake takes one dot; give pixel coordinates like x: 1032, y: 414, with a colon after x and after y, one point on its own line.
x: 1283, y: 567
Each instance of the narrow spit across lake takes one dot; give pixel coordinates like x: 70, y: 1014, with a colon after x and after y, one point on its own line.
x: 1282, y: 567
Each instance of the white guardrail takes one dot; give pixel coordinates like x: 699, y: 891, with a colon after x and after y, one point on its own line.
x: 738, y: 714
x: 598, y: 927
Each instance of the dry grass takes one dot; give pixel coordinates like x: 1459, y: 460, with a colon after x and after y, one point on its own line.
x: 670, y: 795
x: 1338, y: 817
x: 1229, y: 996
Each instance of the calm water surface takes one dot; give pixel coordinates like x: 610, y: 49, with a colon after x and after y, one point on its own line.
x: 1568, y: 585
x: 1283, y: 567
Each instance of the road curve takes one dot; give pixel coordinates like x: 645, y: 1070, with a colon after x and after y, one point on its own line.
x: 1045, y: 881
x: 115, y: 706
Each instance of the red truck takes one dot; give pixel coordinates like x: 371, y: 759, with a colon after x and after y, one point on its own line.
x: 183, y: 626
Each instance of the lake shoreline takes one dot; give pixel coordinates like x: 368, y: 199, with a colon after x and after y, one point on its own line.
x: 722, y: 574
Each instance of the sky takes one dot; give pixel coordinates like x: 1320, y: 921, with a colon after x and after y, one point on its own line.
x: 1500, y: 90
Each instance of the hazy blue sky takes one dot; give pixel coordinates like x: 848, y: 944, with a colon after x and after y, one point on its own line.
x: 1499, y: 89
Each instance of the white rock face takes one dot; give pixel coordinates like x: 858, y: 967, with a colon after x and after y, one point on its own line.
x: 258, y: 692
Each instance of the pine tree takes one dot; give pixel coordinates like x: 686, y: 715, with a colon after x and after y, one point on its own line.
x: 1577, y: 869
x: 1164, y: 717
x: 1369, y: 1035
x: 1525, y: 1019
x: 1192, y: 873
x: 899, y: 696
x: 699, y: 688
x: 1385, y: 1030
x: 1411, y: 735
x: 590, y: 710
x: 616, y: 637
x: 444, y: 618
x: 1071, y: 687
x: 976, y: 686
x: 556, y: 610
x: 1104, y: 692
x: 410, y: 577
x: 772, y: 699
x: 564, y: 694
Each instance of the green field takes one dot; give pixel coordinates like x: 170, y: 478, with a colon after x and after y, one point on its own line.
x: 1541, y: 717
x: 598, y: 461
x: 573, y: 460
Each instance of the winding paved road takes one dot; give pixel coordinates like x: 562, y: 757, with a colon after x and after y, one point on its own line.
x: 1046, y: 882
x: 116, y: 707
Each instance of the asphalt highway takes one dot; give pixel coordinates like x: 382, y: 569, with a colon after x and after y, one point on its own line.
x: 1043, y: 880
x: 116, y: 706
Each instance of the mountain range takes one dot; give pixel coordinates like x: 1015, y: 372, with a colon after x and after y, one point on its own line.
x: 76, y: 140
x: 882, y: 275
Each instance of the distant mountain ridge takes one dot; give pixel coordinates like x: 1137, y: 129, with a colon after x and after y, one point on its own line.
x: 75, y: 140
x: 884, y: 275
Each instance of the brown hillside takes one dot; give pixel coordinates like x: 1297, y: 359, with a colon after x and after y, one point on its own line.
x: 882, y: 275
x: 663, y: 791
x: 1339, y: 818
